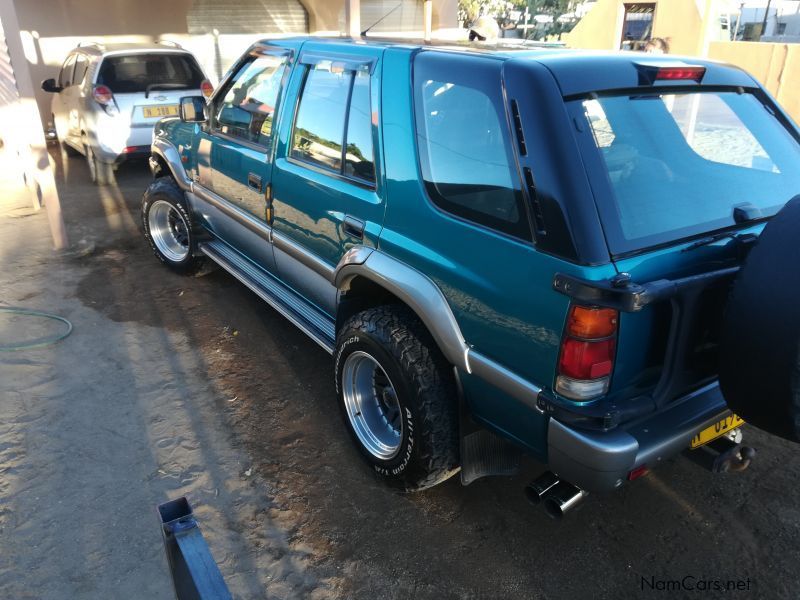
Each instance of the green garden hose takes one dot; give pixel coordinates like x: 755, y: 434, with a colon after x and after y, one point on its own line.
x: 35, y: 343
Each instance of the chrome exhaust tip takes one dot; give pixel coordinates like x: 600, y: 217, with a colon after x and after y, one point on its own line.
x: 536, y: 489
x: 561, y: 499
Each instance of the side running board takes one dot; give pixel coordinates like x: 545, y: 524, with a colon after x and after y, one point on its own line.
x: 307, y: 317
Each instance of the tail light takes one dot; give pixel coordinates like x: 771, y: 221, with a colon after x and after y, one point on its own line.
x: 206, y: 88
x: 102, y: 94
x: 587, y: 352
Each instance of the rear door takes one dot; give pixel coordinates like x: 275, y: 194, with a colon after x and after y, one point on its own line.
x: 680, y: 177
x: 147, y: 86
x: 327, y: 190
x: 236, y: 148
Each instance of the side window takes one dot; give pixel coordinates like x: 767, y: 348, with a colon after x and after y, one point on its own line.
x: 330, y: 133
x: 81, y: 66
x: 464, y: 145
x: 247, y: 109
x: 65, y: 76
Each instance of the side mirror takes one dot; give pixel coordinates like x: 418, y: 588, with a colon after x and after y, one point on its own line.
x: 193, y: 109
x: 49, y: 85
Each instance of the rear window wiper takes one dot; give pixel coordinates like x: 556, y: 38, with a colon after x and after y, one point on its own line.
x: 742, y: 213
x: 710, y: 240
x: 164, y: 86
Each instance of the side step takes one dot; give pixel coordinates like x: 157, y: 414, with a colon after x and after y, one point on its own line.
x: 307, y: 317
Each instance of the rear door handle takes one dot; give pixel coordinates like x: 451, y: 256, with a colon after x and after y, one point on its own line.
x: 254, y: 181
x: 353, y: 227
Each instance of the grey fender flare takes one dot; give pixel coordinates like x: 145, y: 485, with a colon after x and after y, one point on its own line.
x: 169, y: 154
x: 421, y: 294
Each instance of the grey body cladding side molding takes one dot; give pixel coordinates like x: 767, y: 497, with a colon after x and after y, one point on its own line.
x: 412, y: 287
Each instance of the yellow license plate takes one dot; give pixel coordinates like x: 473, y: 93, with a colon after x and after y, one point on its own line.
x: 718, y: 429
x: 163, y: 110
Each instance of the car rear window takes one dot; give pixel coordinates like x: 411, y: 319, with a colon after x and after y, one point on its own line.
x: 677, y: 164
x: 133, y: 73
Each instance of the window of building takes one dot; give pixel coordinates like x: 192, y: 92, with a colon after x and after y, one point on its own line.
x: 247, y: 109
x: 465, y: 152
x: 332, y: 97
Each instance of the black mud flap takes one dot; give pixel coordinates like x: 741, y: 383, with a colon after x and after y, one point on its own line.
x: 484, y: 453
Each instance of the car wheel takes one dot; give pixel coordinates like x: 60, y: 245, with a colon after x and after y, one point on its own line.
x: 100, y: 172
x: 168, y: 227
x: 397, y: 397
x: 760, y: 345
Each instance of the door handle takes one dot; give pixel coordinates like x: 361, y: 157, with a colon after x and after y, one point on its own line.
x: 353, y: 227
x: 254, y: 181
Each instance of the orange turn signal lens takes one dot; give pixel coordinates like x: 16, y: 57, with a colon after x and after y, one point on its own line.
x: 592, y: 323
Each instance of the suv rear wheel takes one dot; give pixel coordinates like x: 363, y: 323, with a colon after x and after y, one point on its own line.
x: 397, y: 397
x: 168, y: 227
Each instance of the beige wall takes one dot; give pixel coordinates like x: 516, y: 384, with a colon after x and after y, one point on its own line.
x: 776, y: 66
x: 682, y: 22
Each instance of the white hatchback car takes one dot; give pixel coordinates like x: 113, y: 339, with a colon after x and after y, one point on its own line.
x: 107, y: 99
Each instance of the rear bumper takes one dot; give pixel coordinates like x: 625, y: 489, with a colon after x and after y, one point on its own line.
x: 600, y: 461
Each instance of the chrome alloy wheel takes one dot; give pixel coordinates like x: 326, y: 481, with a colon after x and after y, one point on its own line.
x: 372, y: 405
x: 169, y: 230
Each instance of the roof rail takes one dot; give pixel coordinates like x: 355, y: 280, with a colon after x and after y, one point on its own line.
x: 170, y: 43
x: 98, y: 45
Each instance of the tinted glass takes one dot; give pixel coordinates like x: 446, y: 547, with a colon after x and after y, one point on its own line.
x: 136, y: 72
x: 65, y: 76
x: 319, y: 127
x: 678, y: 164
x: 247, y: 110
x: 81, y: 66
x: 359, y: 160
x: 465, y: 153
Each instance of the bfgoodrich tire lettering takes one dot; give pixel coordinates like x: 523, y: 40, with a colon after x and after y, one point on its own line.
x: 175, y: 241
x: 427, y: 420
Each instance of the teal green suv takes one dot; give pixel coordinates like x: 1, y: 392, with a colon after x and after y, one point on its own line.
x: 536, y: 251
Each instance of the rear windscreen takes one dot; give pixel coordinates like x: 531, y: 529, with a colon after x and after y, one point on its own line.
x: 678, y: 164
x: 135, y: 72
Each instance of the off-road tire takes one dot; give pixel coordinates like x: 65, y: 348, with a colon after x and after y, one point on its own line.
x: 165, y: 189
x: 760, y: 344
x: 426, y: 391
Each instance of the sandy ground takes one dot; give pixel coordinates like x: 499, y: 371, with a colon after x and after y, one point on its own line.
x: 173, y: 386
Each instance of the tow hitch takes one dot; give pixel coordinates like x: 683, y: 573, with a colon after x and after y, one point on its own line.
x: 724, y: 454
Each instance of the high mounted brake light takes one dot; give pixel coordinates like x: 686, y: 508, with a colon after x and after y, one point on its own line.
x: 681, y: 73
x: 650, y: 72
x: 587, y: 352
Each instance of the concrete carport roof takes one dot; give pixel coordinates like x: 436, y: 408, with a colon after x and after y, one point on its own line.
x: 40, y: 34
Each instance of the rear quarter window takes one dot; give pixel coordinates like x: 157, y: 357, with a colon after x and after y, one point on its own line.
x: 133, y: 73
x: 465, y: 154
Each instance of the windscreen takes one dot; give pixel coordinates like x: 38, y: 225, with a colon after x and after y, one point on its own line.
x: 133, y: 73
x: 678, y: 164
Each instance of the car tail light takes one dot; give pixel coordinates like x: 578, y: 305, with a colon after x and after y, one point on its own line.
x: 103, y: 95
x: 206, y: 88
x: 587, y: 352
x: 681, y: 73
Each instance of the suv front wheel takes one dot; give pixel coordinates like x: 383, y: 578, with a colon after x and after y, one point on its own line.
x: 397, y: 396
x: 168, y: 227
